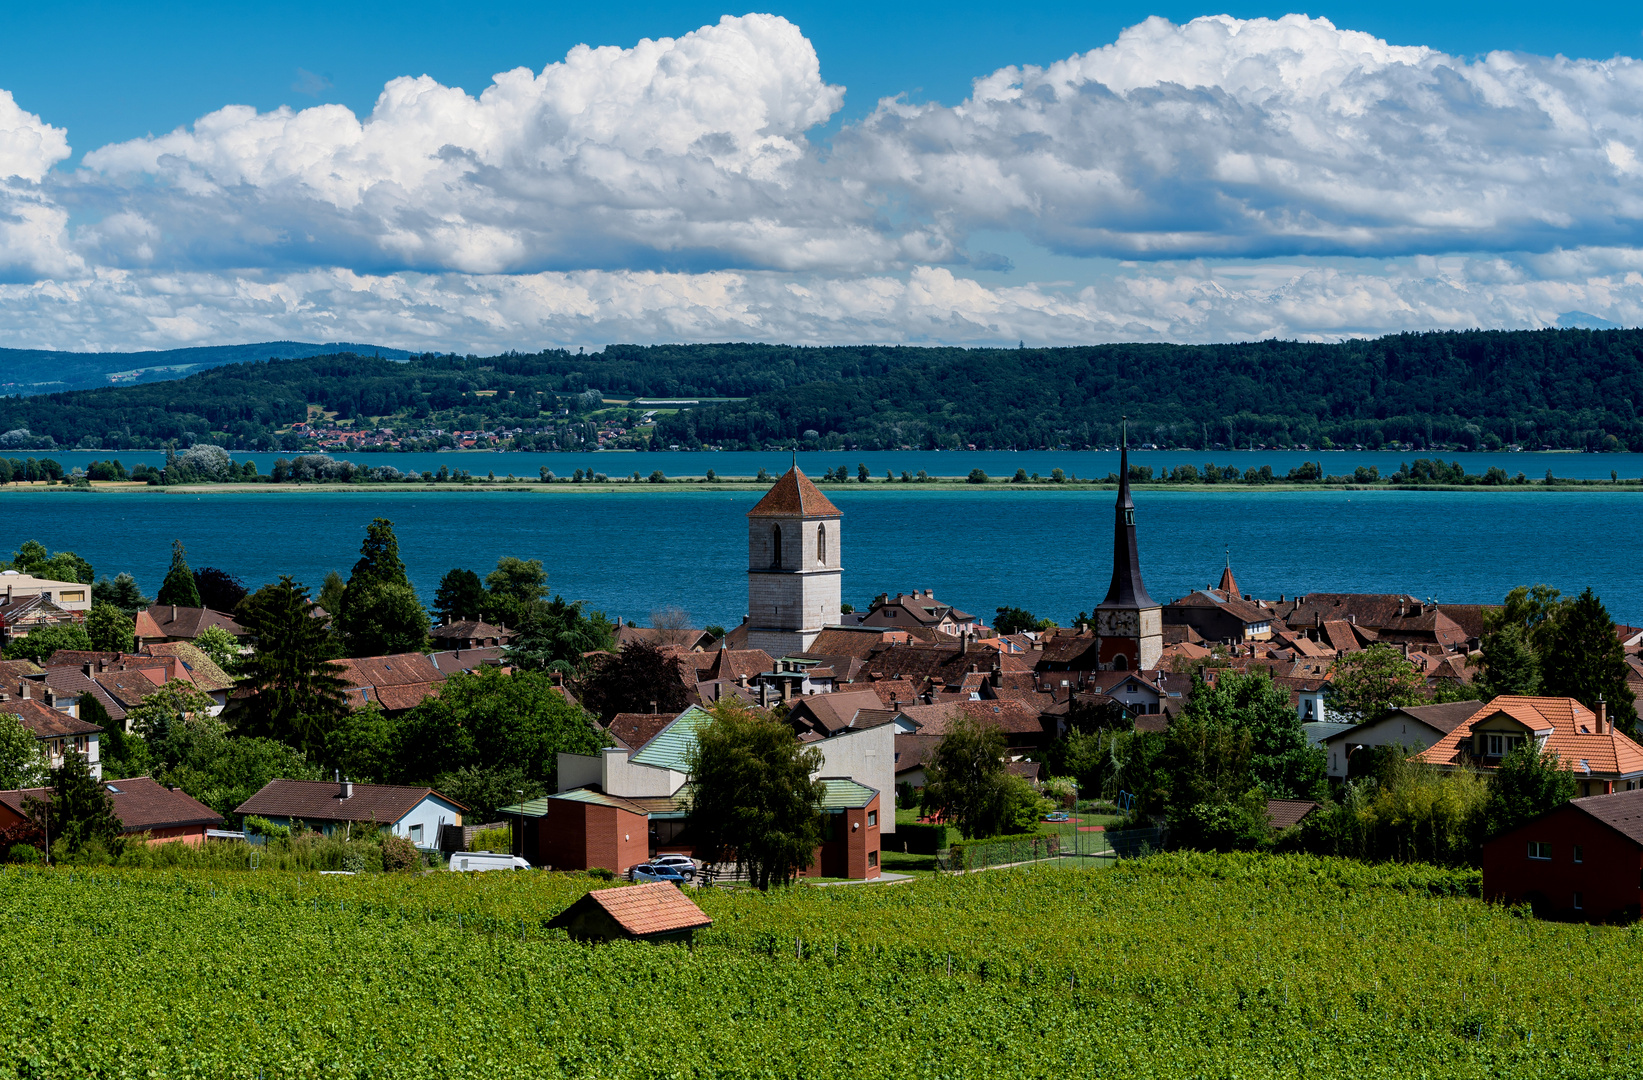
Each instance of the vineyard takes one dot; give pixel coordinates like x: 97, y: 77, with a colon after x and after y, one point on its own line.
x: 1174, y: 965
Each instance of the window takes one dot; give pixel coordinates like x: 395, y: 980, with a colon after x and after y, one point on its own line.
x: 74, y: 598
x: 1578, y: 854
x: 873, y: 860
x: 416, y: 834
x: 873, y: 819
x: 776, y: 546
x: 1579, y: 902
x: 1497, y: 745
x: 1539, y: 849
x: 1119, y: 663
x: 821, y: 543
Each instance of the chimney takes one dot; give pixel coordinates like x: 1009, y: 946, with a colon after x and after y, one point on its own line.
x: 345, y: 787
x: 1400, y: 608
x: 48, y: 698
x: 24, y: 690
x: 1602, y: 715
x: 173, y: 612
x: 653, y: 708
x: 741, y: 680
x: 964, y: 643
x: 787, y: 690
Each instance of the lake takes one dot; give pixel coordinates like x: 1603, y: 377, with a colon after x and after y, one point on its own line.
x: 1050, y: 552
x: 1085, y: 463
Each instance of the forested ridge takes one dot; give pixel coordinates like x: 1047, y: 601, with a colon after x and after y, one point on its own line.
x: 1559, y: 388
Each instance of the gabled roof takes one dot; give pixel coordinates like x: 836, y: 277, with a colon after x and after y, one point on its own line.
x: 1622, y: 812
x: 190, y: 622
x: 45, y: 722
x: 1283, y: 813
x: 653, y: 908
x: 1569, y: 730
x: 794, y: 496
x: 207, y: 674
x: 321, y: 800
x: 837, y: 711
x: 1442, y: 718
x: 141, y: 803
x: 468, y: 630
x: 634, y: 730
x: 668, y: 748
x: 594, y: 797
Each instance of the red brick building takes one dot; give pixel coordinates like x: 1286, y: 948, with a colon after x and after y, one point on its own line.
x: 1583, y: 860
x: 850, y: 845
x: 584, y: 828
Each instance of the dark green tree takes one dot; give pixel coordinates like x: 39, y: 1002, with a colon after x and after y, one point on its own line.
x: 491, y: 720
x: 122, y: 592
x: 1584, y: 659
x: 361, y: 746
x: 1283, y: 762
x: 178, y: 587
x: 219, y: 590
x: 42, y: 641
x: 754, y: 800
x: 333, y: 594
x: 295, y: 695
x: 483, y: 790
x: 1527, y: 784
x: 1012, y: 620
x: 1510, y: 663
x: 33, y: 558
x: 966, y: 780
x: 460, y: 597
x: 1369, y: 684
x: 381, y: 619
x: 512, y: 588
x: 554, y: 636
x: 379, y: 560
x: 109, y: 629
x: 640, y: 678
x: 77, y: 812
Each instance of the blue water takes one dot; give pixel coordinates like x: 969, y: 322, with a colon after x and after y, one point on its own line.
x: 1047, y: 551
x: 1084, y: 463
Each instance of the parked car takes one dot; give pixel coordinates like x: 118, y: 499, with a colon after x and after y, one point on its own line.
x: 652, y: 872
x: 1058, y: 815
x: 486, y: 860
x: 682, y: 863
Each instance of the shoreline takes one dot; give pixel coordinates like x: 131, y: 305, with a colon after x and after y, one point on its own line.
x: 687, y: 485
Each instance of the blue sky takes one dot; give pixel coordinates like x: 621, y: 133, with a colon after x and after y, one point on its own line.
x: 200, y: 173
x: 112, y: 71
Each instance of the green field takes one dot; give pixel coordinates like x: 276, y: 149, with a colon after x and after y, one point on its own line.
x: 1173, y: 966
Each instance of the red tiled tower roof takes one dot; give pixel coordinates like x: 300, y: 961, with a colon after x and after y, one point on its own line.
x: 795, y: 496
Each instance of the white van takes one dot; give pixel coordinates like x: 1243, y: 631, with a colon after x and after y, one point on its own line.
x: 486, y: 860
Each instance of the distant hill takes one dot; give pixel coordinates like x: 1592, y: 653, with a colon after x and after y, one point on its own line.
x: 1572, y: 388
x: 41, y: 371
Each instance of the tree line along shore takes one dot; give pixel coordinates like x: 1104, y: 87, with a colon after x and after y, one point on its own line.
x: 206, y: 467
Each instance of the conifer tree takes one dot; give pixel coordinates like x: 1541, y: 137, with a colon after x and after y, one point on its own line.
x: 179, y: 587
x: 296, y: 697
x: 1585, y: 660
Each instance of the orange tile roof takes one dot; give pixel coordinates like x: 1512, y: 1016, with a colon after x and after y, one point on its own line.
x: 656, y: 907
x: 794, y: 496
x: 1569, y: 729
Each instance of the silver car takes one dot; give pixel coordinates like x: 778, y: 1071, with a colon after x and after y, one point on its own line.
x: 682, y: 863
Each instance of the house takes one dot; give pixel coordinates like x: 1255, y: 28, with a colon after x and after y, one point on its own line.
x: 1216, y: 616
x: 631, y: 731
x: 471, y: 634
x: 26, y: 613
x: 1415, y: 727
x: 662, y: 637
x: 919, y: 609
x: 1583, y: 860
x: 830, y: 714
x: 1394, y: 618
x: 173, y: 623
x: 68, y: 595
x: 58, y: 732
x: 415, y: 813
x: 655, y: 912
x: 1603, y: 760
x: 147, y: 809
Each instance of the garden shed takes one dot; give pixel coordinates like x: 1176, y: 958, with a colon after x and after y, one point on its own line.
x: 656, y: 911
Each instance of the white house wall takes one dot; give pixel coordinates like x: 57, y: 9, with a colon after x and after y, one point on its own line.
x: 868, y: 757
x: 430, y: 814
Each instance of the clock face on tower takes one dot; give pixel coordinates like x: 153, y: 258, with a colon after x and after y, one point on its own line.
x: 1117, y: 623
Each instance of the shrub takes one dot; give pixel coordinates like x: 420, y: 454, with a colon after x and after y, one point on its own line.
x: 398, y: 853
x: 23, y: 853
x: 977, y: 477
x: 492, y: 839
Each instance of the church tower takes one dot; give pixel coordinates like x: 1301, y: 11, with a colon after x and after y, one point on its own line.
x: 1129, y: 623
x: 793, y: 570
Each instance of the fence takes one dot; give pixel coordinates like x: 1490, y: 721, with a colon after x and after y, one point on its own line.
x: 1133, y: 843
x: 981, y: 855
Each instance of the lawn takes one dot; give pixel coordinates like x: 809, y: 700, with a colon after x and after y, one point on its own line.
x: 1173, y: 966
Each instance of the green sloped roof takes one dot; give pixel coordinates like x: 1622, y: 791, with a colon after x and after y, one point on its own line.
x: 668, y: 749
x: 839, y: 793
x: 596, y: 797
x: 533, y: 808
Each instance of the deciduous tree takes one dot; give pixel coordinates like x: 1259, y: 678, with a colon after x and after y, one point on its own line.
x: 42, y: 641
x: 219, y: 590
x: 1371, y: 683
x: 754, y: 800
x: 640, y: 678
x: 22, y: 765
x: 109, y: 629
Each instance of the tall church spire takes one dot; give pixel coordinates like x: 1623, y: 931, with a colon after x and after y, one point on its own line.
x: 1127, y: 590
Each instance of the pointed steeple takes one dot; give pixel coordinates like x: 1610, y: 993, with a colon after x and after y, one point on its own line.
x: 1229, y: 584
x: 1127, y: 590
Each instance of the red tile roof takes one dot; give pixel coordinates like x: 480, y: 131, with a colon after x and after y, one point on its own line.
x: 794, y: 496
x: 1283, y: 813
x: 141, y: 804
x: 643, y: 910
x: 44, y: 721
x: 634, y: 730
x: 1569, y: 729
